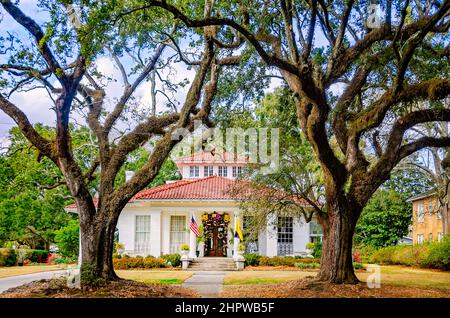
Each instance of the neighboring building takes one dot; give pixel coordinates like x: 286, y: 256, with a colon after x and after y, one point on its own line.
x: 427, y: 218
x: 156, y: 221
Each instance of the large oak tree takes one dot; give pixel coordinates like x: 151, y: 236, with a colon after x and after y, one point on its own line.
x: 67, y: 43
x: 354, y: 83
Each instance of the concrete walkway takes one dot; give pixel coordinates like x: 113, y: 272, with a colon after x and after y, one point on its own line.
x: 208, y: 284
x: 14, y: 281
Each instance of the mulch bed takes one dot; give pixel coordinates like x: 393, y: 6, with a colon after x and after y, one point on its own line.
x: 309, y: 288
x: 57, y: 288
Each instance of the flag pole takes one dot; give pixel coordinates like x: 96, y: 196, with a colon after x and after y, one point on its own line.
x: 192, y: 241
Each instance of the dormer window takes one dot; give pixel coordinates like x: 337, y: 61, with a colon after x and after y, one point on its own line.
x: 223, y: 171
x: 194, y: 171
x: 208, y: 171
x: 237, y: 171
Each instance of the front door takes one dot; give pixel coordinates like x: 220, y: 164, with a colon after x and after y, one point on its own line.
x: 215, y: 247
x: 215, y: 227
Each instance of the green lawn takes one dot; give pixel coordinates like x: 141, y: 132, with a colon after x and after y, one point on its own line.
x: 390, y: 275
x: 30, y: 269
x: 155, y: 276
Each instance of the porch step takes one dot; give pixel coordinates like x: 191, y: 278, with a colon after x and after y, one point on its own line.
x: 212, y: 264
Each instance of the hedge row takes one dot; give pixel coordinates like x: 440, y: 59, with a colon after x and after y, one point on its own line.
x: 12, y: 257
x: 252, y: 259
x: 127, y: 262
x: 428, y: 255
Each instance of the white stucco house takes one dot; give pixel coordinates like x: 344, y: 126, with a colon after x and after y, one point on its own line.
x: 156, y: 221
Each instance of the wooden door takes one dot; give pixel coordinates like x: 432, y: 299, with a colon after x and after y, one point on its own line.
x: 215, y: 245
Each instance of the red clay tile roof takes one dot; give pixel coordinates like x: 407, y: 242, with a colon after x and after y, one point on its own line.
x: 213, y: 188
x: 74, y: 206
x: 210, y: 188
x: 208, y: 157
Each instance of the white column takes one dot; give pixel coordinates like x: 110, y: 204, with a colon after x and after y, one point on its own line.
x: 236, y: 239
x: 271, y: 237
x: 192, y: 240
x: 155, y: 234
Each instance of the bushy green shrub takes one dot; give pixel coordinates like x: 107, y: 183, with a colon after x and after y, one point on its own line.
x: 438, y: 255
x: 358, y: 265
x: 285, y: 261
x: 8, y: 257
x: 317, y: 251
x: 67, y: 239
x: 365, y: 252
x: 38, y: 256
x: 138, y: 262
x: 428, y: 255
x: 154, y: 262
x: 307, y: 265
x: 174, y: 259
x: 252, y: 259
x: 118, y: 256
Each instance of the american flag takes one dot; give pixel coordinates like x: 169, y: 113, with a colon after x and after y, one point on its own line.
x: 194, y: 228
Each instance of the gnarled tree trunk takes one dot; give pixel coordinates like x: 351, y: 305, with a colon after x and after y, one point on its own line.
x: 97, y: 244
x: 338, y: 228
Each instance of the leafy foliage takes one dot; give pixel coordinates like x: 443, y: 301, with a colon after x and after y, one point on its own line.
x: 30, y: 209
x: 67, y: 239
x: 384, y: 220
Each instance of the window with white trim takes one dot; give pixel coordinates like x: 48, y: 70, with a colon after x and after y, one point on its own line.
x: 440, y: 236
x: 194, y: 171
x: 285, y: 235
x: 208, y: 171
x: 237, y: 171
x: 420, y: 213
x: 223, y: 171
x: 430, y: 208
x: 177, y: 232
x: 142, y: 231
x: 419, y: 238
x: 430, y: 237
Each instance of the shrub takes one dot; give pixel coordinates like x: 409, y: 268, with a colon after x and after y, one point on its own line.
x: 384, y: 255
x: 38, y: 256
x: 116, y: 256
x: 307, y: 265
x: 154, y: 262
x: 252, y: 259
x: 358, y: 265
x: 365, y: 252
x: 174, y: 259
x: 138, y: 262
x: 429, y: 255
x: 285, y: 261
x: 317, y: 253
x: 438, y: 255
x: 185, y: 247
x: 8, y: 257
x: 67, y: 239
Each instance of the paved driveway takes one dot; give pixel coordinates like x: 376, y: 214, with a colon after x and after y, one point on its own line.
x: 14, y: 281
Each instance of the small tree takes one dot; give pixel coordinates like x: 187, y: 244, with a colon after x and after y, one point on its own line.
x: 68, y: 239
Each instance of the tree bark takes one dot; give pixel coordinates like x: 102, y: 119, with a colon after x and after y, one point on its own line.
x: 97, y: 244
x: 338, y: 228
